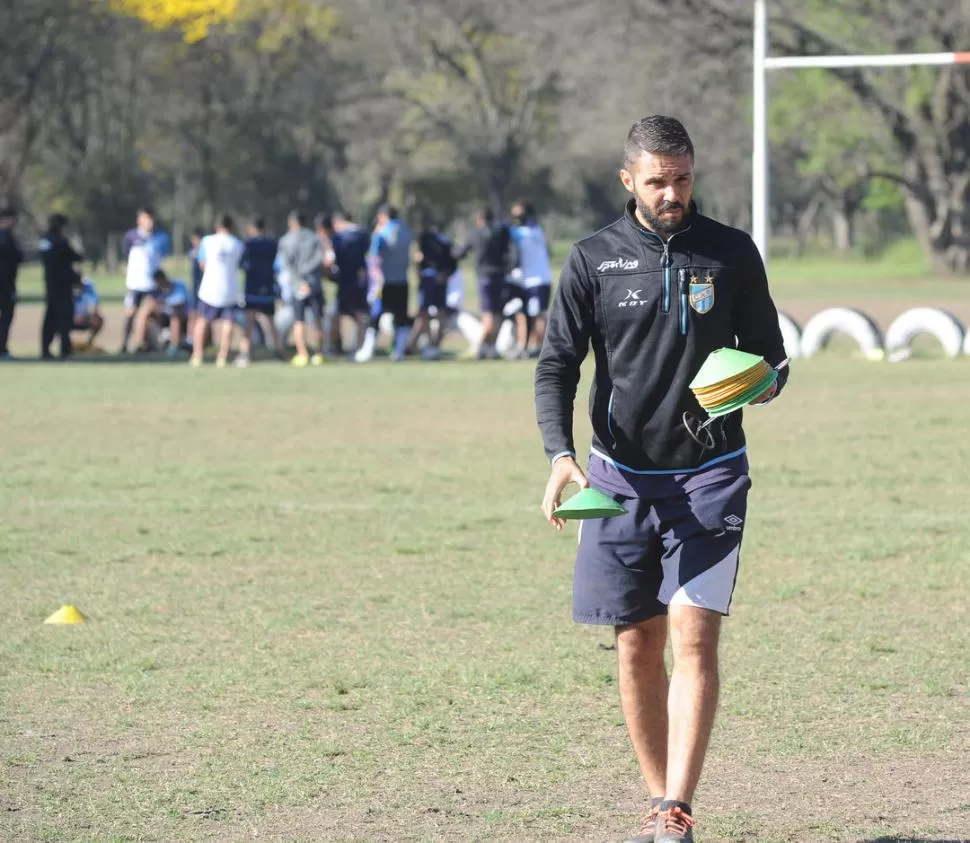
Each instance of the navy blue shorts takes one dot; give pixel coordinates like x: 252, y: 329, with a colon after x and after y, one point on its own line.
x: 312, y: 305
x: 679, y: 549
x: 394, y: 300
x: 261, y: 304
x: 537, y: 300
x: 515, y: 291
x: 211, y: 313
x: 491, y: 293
x: 352, y: 300
x: 433, y: 293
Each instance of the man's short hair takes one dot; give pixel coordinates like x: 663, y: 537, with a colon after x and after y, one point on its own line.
x: 322, y: 221
x: 259, y: 223
x: 657, y: 135
x: 298, y: 217
x: 147, y: 210
x: 225, y: 221
x: 199, y: 232
x: 159, y: 275
x: 391, y: 212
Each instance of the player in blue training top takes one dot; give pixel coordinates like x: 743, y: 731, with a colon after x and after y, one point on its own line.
x: 388, y: 262
x: 87, y: 312
x: 533, y: 276
x: 168, y: 309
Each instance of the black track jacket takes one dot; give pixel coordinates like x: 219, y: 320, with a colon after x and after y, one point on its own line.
x: 652, y: 313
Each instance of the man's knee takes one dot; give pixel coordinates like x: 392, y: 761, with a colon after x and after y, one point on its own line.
x: 695, y: 634
x: 642, y: 643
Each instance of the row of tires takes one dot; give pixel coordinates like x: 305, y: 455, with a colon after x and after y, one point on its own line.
x: 896, y: 344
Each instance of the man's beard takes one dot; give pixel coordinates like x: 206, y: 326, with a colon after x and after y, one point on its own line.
x: 657, y: 223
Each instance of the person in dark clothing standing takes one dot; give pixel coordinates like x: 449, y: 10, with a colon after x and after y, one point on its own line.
x: 260, y: 299
x: 60, y: 277
x: 11, y: 257
x: 495, y: 256
x: 654, y: 294
x: 436, y: 264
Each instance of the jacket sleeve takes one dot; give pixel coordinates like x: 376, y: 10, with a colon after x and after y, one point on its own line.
x: 755, y: 317
x: 568, y: 331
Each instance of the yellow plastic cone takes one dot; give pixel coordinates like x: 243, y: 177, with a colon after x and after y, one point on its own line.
x: 66, y: 614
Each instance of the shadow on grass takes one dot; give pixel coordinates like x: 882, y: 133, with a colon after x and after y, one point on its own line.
x: 916, y: 840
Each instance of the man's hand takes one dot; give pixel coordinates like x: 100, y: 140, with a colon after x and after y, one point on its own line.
x: 565, y: 470
x: 766, y: 396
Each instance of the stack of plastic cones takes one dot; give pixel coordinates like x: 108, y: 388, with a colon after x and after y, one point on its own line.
x: 729, y: 379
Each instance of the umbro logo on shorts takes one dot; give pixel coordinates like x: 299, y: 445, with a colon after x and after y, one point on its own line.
x: 733, y: 523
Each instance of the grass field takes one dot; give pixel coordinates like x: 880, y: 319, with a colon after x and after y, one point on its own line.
x: 324, y: 606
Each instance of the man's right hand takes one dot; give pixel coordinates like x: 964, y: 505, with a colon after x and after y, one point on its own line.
x: 565, y: 470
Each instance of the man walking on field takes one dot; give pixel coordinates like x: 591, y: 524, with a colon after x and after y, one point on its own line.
x: 654, y: 294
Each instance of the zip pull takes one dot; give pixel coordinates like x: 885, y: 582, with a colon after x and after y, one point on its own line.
x: 665, y: 263
x: 682, y: 277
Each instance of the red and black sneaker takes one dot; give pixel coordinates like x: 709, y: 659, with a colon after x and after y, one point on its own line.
x: 674, y: 823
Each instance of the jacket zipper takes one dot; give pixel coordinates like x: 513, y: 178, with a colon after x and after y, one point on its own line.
x: 609, y: 418
x: 665, y: 262
x: 682, y: 275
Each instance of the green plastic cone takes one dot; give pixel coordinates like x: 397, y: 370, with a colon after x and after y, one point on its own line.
x: 722, y: 365
x: 744, y: 399
x: 589, y: 503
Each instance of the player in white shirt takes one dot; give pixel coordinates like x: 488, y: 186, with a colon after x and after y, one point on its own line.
x: 219, y: 291
x: 534, y: 275
x: 143, y: 249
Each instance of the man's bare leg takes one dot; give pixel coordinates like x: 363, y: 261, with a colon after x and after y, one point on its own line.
x: 643, y: 696
x: 225, y: 341
x: 694, y: 635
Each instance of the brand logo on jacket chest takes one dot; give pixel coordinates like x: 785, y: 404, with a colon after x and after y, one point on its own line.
x: 632, y: 299
x: 618, y: 263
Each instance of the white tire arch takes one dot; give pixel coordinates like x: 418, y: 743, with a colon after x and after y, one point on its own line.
x: 842, y: 320
x: 791, y: 333
x: 925, y: 320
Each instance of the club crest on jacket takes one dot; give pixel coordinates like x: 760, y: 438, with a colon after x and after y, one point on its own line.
x: 701, y: 293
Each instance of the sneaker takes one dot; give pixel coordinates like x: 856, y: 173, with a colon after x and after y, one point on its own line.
x: 220, y: 362
x: 316, y: 360
x: 300, y: 361
x: 648, y: 829
x: 241, y: 361
x: 195, y: 362
x: 674, y: 823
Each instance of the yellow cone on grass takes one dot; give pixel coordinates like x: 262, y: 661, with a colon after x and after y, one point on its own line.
x: 66, y: 614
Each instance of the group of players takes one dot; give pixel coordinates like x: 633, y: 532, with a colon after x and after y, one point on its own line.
x: 283, y: 289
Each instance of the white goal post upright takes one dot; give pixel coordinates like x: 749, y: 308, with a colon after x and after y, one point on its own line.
x: 762, y: 64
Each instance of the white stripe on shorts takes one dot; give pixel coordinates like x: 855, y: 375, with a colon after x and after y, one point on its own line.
x: 710, y: 590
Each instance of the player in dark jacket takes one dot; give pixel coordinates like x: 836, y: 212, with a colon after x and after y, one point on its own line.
x: 654, y: 294
x: 60, y: 278
x: 11, y: 256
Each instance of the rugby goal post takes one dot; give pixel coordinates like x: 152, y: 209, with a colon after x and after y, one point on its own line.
x: 762, y: 64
